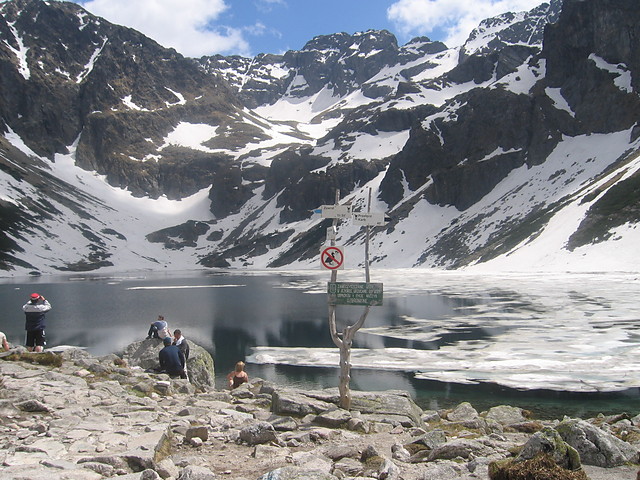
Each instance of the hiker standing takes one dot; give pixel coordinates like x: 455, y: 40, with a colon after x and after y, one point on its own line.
x: 35, y: 310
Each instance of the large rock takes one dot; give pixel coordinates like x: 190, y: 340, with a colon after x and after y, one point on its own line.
x: 200, y: 365
x: 548, y: 441
x: 394, y: 407
x: 460, y: 448
x: 595, y: 446
x: 463, y: 413
x: 506, y: 415
x: 258, y: 433
x: 296, y: 403
x: 296, y: 473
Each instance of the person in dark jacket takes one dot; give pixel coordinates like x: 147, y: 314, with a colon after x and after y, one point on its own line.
x: 35, y: 310
x: 172, y: 359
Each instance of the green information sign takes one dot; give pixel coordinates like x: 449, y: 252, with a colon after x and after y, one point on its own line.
x: 354, y: 293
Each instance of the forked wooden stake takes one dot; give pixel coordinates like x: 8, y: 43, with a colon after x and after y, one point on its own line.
x: 344, y: 340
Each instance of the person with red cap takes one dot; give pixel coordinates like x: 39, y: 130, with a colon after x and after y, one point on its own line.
x: 35, y: 310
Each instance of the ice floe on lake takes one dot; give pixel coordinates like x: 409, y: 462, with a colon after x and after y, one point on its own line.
x: 565, y: 332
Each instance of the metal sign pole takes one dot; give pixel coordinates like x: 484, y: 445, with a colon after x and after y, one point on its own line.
x: 366, y: 244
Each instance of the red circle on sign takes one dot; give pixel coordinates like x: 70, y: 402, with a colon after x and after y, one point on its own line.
x: 332, y: 258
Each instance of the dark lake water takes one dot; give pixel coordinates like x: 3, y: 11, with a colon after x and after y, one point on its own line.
x: 230, y: 313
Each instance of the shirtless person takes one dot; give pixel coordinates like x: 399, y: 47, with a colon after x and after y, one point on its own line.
x: 238, y: 376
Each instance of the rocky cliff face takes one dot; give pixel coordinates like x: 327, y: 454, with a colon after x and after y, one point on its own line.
x: 112, y: 93
x: 341, y: 63
x: 471, y: 151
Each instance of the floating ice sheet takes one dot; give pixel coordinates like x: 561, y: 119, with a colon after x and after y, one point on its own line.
x: 571, y: 332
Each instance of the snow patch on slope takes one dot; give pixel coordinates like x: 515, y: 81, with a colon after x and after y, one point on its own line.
x: 190, y: 135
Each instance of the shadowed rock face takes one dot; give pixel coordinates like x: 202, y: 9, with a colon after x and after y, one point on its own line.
x: 452, y: 151
x: 582, y: 51
x: 115, y: 91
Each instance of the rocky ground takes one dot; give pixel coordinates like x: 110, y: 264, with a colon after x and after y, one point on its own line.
x: 73, y: 416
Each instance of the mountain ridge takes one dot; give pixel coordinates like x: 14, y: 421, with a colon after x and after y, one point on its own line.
x: 255, y: 146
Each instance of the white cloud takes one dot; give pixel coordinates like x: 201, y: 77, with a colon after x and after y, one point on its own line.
x: 267, y: 5
x: 186, y: 25
x: 454, y: 18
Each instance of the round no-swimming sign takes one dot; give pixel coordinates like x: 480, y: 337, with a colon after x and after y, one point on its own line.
x: 332, y: 258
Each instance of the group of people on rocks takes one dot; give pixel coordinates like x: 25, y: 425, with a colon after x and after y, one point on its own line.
x: 175, y: 353
x: 173, y: 356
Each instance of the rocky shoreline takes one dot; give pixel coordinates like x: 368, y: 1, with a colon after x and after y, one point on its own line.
x: 70, y: 415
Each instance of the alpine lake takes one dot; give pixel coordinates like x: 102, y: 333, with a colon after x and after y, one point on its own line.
x: 444, y: 337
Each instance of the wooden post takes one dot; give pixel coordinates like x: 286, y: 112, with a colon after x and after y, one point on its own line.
x: 344, y: 343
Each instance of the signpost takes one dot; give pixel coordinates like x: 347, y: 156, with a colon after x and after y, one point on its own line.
x: 348, y: 293
x: 345, y: 212
x: 371, y: 219
x: 355, y: 293
x: 336, y: 211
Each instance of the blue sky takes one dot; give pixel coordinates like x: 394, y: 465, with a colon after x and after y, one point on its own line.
x: 248, y: 27
x: 289, y: 25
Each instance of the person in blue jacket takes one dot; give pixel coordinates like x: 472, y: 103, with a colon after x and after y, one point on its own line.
x: 172, y: 360
x: 35, y: 310
x: 159, y: 329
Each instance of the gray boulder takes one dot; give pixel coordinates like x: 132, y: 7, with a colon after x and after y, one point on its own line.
x: 506, y: 415
x: 193, y: 472
x: 333, y: 418
x: 595, y: 446
x: 463, y: 413
x: 550, y: 442
x: 468, y: 417
x: 460, y: 448
x: 392, y: 406
x: 296, y: 473
x: 258, y: 433
x: 431, y: 439
x: 297, y: 403
x: 445, y: 470
x: 200, y: 365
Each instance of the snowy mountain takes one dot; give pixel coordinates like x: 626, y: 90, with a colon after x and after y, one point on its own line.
x: 518, y: 150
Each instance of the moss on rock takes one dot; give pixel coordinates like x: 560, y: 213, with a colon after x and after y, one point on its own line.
x: 541, y: 467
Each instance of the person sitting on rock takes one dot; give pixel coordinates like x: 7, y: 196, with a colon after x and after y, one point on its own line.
x: 159, y: 329
x: 238, y: 376
x: 172, y: 360
x: 181, y: 342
